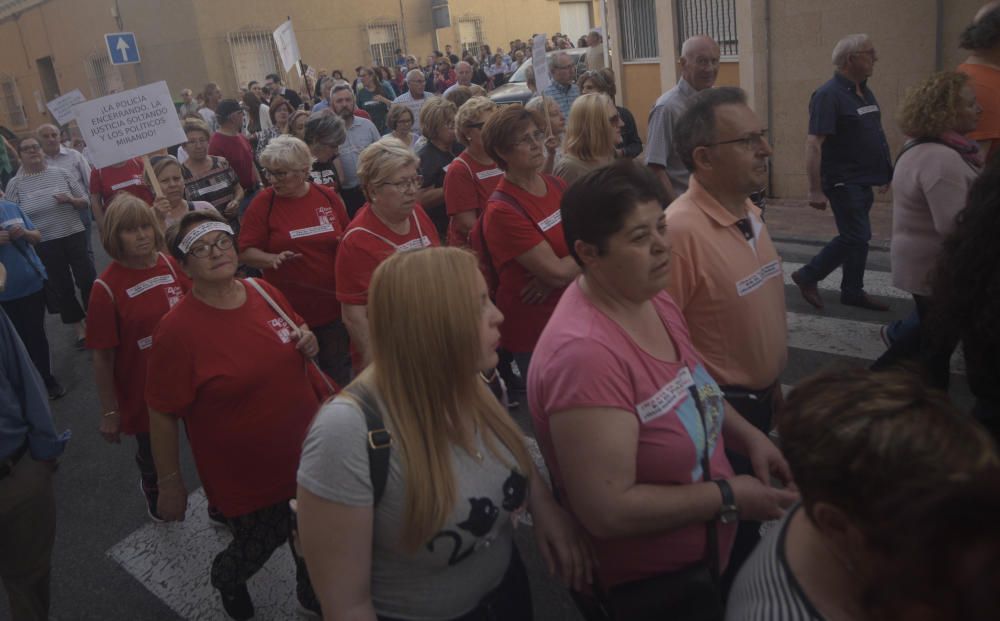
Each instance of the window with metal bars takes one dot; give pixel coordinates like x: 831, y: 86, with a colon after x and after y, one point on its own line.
x: 254, y: 55
x: 383, y: 41
x: 104, y: 77
x: 715, y: 18
x: 638, y: 30
x: 13, y: 109
x: 470, y: 34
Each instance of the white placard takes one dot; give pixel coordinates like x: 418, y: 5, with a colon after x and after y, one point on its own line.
x: 540, y: 64
x: 62, y: 107
x: 288, y: 47
x: 129, y: 124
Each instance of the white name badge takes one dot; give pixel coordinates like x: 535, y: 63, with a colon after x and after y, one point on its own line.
x: 146, y: 285
x: 8, y: 224
x: 754, y: 281
x: 126, y: 184
x: 414, y: 244
x: 319, y: 229
x: 215, y: 187
x: 486, y: 174
x: 551, y: 221
x: 666, y: 398
x: 145, y: 343
x: 867, y: 110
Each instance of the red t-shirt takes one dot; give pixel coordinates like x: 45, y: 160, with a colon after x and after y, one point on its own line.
x: 312, y: 226
x: 509, y: 235
x: 584, y: 359
x: 125, y: 307
x: 244, y: 392
x: 368, y: 242
x: 128, y: 177
x: 236, y: 149
x: 467, y: 187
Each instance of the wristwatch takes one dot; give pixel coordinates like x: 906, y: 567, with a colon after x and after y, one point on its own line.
x: 729, y: 513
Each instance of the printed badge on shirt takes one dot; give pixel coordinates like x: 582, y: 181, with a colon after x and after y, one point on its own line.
x: 281, y: 329
x: 756, y: 280
x: 174, y: 295
x: 325, y: 216
x: 149, y: 284
x: 666, y: 398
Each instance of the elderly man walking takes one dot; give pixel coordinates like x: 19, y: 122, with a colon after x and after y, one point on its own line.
x: 846, y: 155
x: 699, y: 69
x: 415, y: 97
x: 563, y: 87
x: 74, y: 163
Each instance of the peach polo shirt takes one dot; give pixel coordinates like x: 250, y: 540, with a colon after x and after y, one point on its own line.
x: 730, y: 290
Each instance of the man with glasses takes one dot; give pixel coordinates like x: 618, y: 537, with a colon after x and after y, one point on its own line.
x: 846, y: 154
x: 360, y: 133
x: 415, y: 97
x: 699, y: 68
x: 563, y: 87
x: 725, y: 274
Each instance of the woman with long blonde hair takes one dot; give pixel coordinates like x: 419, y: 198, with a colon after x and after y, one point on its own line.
x: 431, y: 537
x: 593, y: 130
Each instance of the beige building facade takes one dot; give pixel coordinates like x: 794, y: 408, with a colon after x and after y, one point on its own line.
x: 50, y: 47
x: 782, y: 53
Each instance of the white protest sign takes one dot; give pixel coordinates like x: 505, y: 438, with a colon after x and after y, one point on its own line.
x: 288, y: 47
x: 62, y: 107
x: 540, y: 64
x: 129, y: 124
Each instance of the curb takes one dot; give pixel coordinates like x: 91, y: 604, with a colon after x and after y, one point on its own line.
x: 876, y: 245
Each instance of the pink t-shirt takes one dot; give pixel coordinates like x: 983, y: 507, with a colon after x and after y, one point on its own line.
x: 586, y: 360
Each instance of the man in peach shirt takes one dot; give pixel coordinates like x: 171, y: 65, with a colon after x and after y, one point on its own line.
x: 725, y: 273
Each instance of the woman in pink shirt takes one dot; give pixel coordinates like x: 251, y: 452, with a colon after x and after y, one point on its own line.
x: 632, y: 427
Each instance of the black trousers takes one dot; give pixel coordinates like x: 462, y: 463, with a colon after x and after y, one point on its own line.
x: 62, y: 257
x: 354, y: 199
x: 28, y: 316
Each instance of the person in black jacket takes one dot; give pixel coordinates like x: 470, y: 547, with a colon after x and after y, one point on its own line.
x: 603, y: 81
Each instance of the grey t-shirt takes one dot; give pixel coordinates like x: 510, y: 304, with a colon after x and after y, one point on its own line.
x: 460, y: 564
x: 660, y: 147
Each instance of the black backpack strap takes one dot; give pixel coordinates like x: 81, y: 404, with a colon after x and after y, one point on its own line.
x: 378, y: 440
x: 914, y: 142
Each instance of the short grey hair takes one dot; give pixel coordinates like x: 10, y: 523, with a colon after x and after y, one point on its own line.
x: 286, y: 152
x: 851, y: 44
x: 325, y: 129
x: 556, y: 57
x: 415, y: 73
x: 381, y: 158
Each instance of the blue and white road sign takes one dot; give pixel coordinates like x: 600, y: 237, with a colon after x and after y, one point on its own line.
x: 122, y: 49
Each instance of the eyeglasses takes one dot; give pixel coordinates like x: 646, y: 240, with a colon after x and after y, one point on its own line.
x: 750, y: 141
x: 277, y: 174
x: 29, y: 148
x: 198, y: 141
x: 413, y: 183
x: 705, y: 63
x: 475, y: 125
x: 871, y: 53
x: 537, y: 136
x: 223, y: 243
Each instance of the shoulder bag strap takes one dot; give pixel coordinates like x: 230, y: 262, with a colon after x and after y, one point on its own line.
x: 378, y: 439
x: 914, y: 142
x: 170, y: 266
x: 712, y: 534
x: 281, y: 313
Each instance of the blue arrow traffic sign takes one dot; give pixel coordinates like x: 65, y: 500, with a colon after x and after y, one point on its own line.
x: 122, y: 49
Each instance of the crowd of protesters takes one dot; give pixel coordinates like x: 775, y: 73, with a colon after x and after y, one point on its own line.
x: 342, y: 292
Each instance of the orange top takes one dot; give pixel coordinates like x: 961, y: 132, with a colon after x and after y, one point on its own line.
x: 985, y: 81
x: 730, y: 289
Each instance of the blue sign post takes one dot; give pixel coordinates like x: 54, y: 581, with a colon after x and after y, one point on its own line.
x: 122, y: 48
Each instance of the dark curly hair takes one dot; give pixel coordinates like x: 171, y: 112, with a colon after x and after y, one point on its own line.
x: 966, y: 285
x: 983, y: 33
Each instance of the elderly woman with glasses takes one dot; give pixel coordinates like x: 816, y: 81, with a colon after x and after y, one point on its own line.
x: 390, y: 222
x: 603, y: 81
x: 473, y: 175
x: 207, y: 177
x: 237, y: 372
x: 437, y: 122
x: 292, y: 232
x: 522, y: 241
x: 593, y: 131
x: 400, y: 123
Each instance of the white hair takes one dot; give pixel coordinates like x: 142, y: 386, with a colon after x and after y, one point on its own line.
x: 286, y: 152
x: 851, y: 44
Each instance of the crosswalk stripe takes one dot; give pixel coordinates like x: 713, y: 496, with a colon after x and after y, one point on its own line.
x: 843, y: 337
x: 876, y: 283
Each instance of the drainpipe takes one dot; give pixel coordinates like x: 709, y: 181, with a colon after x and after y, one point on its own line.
x: 770, y: 85
x: 939, y: 37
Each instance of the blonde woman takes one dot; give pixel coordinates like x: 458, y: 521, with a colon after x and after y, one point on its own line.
x: 171, y: 205
x: 437, y: 122
x: 400, y: 123
x: 593, y: 131
x: 390, y: 222
x: 438, y: 543
x: 473, y: 175
x: 555, y: 127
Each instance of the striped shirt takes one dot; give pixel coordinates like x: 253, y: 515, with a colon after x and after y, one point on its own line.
x: 217, y: 185
x: 765, y: 588
x: 35, y: 193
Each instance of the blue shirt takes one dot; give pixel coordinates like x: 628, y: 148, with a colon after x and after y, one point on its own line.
x: 321, y: 105
x: 24, y: 401
x: 855, y: 150
x: 564, y: 96
x: 25, y: 272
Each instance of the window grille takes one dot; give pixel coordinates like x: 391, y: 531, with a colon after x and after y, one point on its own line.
x: 13, y: 7
x: 255, y: 55
x: 383, y: 41
x: 470, y: 34
x: 638, y: 28
x: 13, y: 109
x: 104, y: 77
x: 715, y: 18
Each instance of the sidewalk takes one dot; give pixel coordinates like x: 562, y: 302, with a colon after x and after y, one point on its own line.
x: 794, y: 220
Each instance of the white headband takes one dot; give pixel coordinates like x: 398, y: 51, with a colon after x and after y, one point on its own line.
x: 199, y: 231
